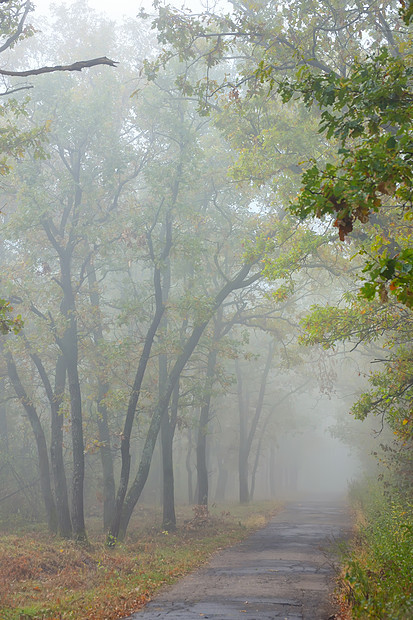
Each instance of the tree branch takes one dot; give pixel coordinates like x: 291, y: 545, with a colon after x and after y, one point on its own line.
x: 76, y: 66
x: 19, y: 30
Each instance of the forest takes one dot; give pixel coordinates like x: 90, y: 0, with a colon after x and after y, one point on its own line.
x: 206, y: 293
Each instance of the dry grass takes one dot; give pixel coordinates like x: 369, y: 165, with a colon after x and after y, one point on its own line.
x: 45, y: 578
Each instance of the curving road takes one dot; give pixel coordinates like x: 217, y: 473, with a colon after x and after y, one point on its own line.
x: 282, y: 571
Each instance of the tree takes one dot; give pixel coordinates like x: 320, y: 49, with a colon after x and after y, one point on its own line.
x: 63, y: 214
x: 15, y: 140
x: 369, y: 112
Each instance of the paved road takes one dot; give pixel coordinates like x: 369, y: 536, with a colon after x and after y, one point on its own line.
x: 282, y: 571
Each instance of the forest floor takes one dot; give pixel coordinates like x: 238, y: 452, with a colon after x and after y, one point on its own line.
x: 284, y: 570
x: 46, y: 578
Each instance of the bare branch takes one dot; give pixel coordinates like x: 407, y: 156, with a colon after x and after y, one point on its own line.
x: 76, y: 66
x: 14, y: 90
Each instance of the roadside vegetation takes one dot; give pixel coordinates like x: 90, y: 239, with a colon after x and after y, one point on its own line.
x: 45, y: 578
x: 378, y: 567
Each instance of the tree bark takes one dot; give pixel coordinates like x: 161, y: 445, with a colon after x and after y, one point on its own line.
x: 201, y: 446
x: 38, y: 432
x: 70, y: 352
x: 106, y: 457
x: 105, y: 450
x: 220, y: 491
x: 56, y: 451
x: 189, y: 469
x: 68, y: 343
x: 55, y: 398
x: 168, y: 492
x: 167, y: 434
x: 242, y: 449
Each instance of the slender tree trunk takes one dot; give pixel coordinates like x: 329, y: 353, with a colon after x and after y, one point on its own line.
x: 168, y: 491
x: 201, y: 446
x: 102, y: 417
x: 244, y: 496
x: 201, y: 450
x: 55, y: 398
x: 69, y: 347
x: 255, y: 468
x: 115, y: 527
x: 168, y: 420
x: 4, y: 431
x: 106, y: 457
x: 242, y: 449
x: 78, y: 516
x: 167, y: 435
x: 39, y: 436
x: 220, y: 491
x: 201, y: 462
x: 188, y: 466
x: 56, y: 452
x: 69, y: 342
x: 241, y: 280
x: 246, y: 439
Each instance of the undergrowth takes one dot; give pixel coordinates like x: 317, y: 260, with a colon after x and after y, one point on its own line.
x: 46, y: 578
x: 378, y: 574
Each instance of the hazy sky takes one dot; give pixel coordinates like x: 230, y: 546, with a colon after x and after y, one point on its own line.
x: 116, y: 8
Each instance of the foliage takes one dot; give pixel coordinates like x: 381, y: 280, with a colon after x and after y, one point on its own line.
x: 9, y: 323
x: 389, y: 326
x: 378, y: 571
x: 391, y: 395
x: 369, y: 112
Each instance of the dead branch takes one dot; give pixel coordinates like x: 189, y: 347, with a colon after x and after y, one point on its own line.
x: 76, y: 66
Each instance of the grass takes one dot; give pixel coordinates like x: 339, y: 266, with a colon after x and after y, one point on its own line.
x: 378, y: 566
x: 46, y: 578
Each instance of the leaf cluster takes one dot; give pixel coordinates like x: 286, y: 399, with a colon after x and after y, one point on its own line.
x: 369, y: 113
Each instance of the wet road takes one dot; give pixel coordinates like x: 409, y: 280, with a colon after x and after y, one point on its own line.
x: 282, y: 571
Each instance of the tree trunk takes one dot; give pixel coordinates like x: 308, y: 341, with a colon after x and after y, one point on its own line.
x: 247, y: 438
x: 242, y: 449
x: 78, y: 515
x: 188, y: 466
x: 43, y: 458
x: 201, y: 464
x: 201, y: 448
x: 55, y: 398
x: 243, y: 477
x: 168, y: 496
x: 220, y: 491
x: 255, y: 468
x: 69, y: 348
x: 102, y: 417
x: 4, y: 432
x: 56, y: 451
x: 167, y: 435
x: 130, y: 416
x: 241, y: 280
x: 68, y: 345
x: 106, y: 457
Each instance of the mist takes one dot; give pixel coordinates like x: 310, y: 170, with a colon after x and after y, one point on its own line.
x: 173, y: 333
x: 136, y: 261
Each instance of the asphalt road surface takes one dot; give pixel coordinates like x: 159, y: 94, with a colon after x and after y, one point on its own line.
x: 285, y: 570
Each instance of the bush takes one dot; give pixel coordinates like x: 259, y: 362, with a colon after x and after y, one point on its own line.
x: 379, y: 565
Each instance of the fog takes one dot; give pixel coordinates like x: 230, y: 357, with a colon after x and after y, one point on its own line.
x: 167, y: 354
